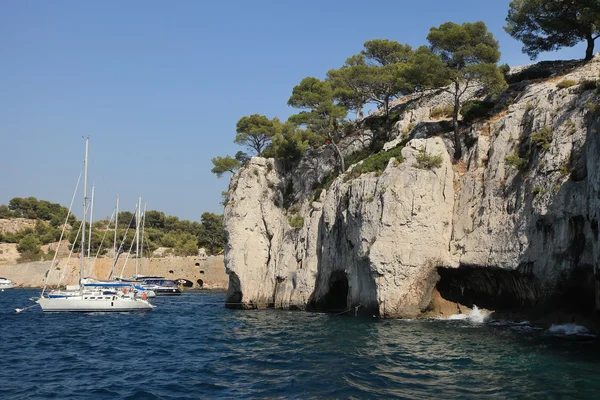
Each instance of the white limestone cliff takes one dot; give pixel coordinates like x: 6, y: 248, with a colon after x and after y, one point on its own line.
x: 479, y: 231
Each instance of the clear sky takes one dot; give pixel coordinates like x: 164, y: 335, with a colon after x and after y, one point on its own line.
x: 158, y: 86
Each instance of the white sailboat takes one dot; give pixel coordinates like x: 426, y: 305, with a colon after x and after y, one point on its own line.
x: 110, y: 285
x: 91, y: 299
x: 157, y: 285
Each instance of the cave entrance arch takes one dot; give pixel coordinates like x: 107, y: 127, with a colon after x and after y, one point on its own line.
x: 336, y: 299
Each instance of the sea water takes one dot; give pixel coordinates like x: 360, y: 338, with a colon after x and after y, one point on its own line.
x: 193, y: 347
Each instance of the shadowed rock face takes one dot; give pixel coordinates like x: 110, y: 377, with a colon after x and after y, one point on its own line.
x: 480, y: 232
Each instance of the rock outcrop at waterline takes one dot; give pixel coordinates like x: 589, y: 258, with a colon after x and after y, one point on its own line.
x: 513, y: 225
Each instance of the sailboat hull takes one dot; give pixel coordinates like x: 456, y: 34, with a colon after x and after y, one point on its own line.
x: 87, y: 304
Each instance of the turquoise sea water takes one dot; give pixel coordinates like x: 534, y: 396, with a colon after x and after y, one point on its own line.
x: 192, y: 347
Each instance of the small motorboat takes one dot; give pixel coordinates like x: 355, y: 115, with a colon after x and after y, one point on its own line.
x: 6, y: 284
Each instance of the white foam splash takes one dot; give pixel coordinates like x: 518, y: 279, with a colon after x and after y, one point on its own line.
x: 569, y: 329
x: 476, y: 316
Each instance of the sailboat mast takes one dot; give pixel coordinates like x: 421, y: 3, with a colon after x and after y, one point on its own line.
x: 112, y: 270
x: 82, y: 257
x: 89, y: 248
x: 142, y: 244
x: 137, y: 237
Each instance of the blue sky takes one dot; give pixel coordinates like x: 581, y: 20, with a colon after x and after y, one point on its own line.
x: 158, y: 86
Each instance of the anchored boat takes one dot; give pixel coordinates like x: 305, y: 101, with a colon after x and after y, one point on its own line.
x: 6, y: 284
x: 93, y: 297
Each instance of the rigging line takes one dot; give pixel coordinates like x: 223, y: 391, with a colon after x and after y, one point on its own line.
x: 93, y: 264
x: 62, y: 233
x: 18, y: 310
x: 61, y: 276
x: 121, y: 245
x: 145, y: 237
x: 128, y: 253
x: 133, y: 240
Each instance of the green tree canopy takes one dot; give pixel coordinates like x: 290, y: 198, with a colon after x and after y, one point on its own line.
x: 187, y: 247
x: 6, y: 212
x: 469, y: 56
x: 154, y: 219
x: 548, y: 25
x: 256, y: 131
x: 289, y: 145
x: 29, y: 247
x: 381, y: 52
x: 348, y: 84
x: 242, y: 157
x: 126, y: 219
x: 172, y: 223
x: 33, y: 208
x: 423, y: 70
x: 373, y: 76
x: 321, y: 114
x: 46, y: 233
x: 212, y: 237
x: 224, y: 164
x: 383, y: 80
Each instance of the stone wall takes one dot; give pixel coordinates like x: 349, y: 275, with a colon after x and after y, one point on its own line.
x: 210, y: 271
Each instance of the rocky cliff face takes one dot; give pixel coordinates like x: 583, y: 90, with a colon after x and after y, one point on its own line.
x: 513, y: 225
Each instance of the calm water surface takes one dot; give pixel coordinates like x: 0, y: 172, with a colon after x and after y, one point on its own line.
x: 192, y: 347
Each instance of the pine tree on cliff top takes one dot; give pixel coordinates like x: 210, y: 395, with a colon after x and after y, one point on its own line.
x: 469, y: 54
x: 256, y: 132
x: 548, y: 25
x: 321, y: 114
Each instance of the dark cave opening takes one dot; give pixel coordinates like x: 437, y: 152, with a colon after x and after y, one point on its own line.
x: 510, y: 290
x: 336, y: 299
x: 487, y: 287
x: 233, y: 299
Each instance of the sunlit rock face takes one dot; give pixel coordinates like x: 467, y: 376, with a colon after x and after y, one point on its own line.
x: 513, y: 224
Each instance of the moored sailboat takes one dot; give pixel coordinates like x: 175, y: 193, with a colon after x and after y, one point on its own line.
x: 109, y: 285
x: 93, y: 298
x: 159, y: 285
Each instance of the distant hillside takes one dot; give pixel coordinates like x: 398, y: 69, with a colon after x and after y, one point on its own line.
x: 30, y: 224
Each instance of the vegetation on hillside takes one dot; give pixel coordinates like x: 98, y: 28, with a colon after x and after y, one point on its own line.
x: 33, y: 208
x: 160, y: 230
x: 464, y: 55
x: 458, y: 59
